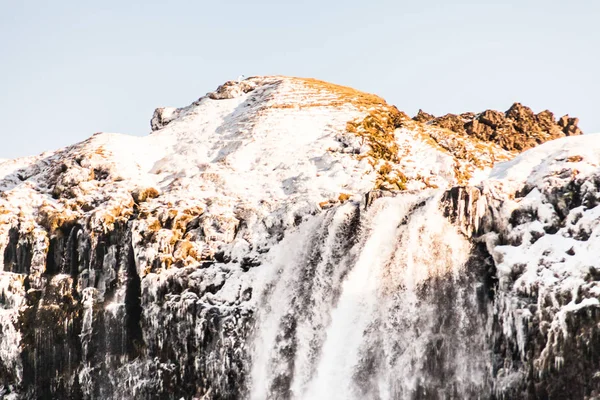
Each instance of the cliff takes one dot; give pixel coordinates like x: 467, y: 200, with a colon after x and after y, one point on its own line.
x: 219, y: 256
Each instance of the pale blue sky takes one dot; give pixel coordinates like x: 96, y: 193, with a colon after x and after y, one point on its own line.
x: 72, y: 68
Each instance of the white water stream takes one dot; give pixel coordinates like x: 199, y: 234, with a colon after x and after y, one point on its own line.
x: 373, y: 306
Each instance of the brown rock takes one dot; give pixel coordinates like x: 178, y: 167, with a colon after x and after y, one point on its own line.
x: 546, y: 119
x: 398, y: 117
x: 520, y: 112
x: 479, y: 129
x: 518, y: 129
x: 232, y: 89
x: 422, y: 116
x: 452, y: 122
x: 492, y: 118
x: 523, y: 118
x: 569, y: 125
x: 547, y: 123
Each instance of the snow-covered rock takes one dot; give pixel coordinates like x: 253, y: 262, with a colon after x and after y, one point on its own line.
x: 162, y: 116
x: 546, y: 257
x: 538, y: 216
x: 151, y: 262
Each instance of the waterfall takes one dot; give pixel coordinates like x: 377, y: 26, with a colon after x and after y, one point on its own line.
x: 380, y: 304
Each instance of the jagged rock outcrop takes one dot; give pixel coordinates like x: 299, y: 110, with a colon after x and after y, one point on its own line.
x: 422, y: 116
x: 569, y: 125
x: 519, y: 128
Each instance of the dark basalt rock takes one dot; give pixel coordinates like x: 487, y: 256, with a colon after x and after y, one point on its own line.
x: 162, y: 117
x: 182, y: 347
x: 18, y: 253
x: 91, y: 327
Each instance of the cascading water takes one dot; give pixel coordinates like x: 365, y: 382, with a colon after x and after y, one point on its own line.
x: 381, y: 306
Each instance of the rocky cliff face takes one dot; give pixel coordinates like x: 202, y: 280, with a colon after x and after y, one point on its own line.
x: 545, y: 257
x: 283, y: 237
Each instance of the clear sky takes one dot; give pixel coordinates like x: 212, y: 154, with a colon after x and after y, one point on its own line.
x: 71, y: 68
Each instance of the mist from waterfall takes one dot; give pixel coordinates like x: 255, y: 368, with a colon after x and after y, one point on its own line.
x: 375, y: 304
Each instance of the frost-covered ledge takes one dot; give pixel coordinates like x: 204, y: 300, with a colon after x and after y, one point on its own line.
x: 539, y: 217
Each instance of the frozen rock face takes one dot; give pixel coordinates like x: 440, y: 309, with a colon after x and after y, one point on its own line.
x: 547, y: 308
x: 536, y: 221
x: 285, y: 237
x: 137, y: 256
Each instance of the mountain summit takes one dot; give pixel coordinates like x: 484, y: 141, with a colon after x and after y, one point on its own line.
x: 291, y: 238
x: 260, y: 146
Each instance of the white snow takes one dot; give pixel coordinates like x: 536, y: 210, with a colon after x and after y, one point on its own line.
x: 239, y: 149
x: 272, y: 154
x: 249, y: 156
x: 552, y: 269
x: 536, y: 163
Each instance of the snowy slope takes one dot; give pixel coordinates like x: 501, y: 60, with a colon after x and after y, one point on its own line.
x: 234, y: 149
x: 274, y: 154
